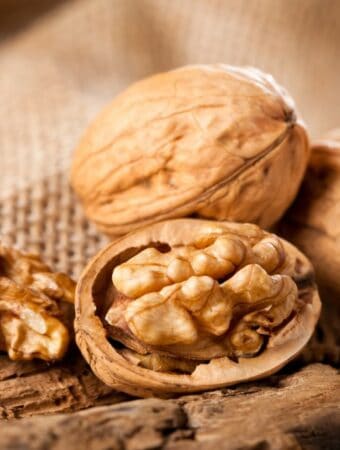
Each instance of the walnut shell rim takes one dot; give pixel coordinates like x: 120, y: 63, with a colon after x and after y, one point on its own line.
x: 114, y: 370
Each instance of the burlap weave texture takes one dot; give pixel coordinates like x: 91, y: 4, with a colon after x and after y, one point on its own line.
x: 61, y: 61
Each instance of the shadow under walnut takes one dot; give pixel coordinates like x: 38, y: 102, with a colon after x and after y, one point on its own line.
x: 324, y: 345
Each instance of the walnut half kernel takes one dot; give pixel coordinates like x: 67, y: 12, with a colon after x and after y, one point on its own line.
x: 190, y: 305
x: 174, y: 301
x: 36, y: 307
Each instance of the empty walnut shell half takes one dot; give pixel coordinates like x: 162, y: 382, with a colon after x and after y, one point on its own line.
x: 189, y: 305
x: 216, y: 142
x: 313, y: 222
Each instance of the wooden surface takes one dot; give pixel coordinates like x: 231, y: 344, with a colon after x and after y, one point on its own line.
x: 299, y: 408
x: 289, y: 411
x: 32, y: 388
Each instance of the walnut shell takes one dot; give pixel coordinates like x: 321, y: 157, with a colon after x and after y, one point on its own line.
x: 216, y: 141
x: 145, y: 367
x: 313, y: 222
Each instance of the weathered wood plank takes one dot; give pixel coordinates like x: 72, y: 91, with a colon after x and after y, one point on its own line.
x: 299, y: 408
x: 287, y: 411
x: 31, y: 388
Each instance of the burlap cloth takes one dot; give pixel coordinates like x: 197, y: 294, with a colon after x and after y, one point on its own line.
x: 61, y: 61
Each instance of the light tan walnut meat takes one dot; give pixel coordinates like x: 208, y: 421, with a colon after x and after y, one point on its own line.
x: 313, y: 223
x: 188, y: 305
x: 36, y: 307
x: 215, y: 141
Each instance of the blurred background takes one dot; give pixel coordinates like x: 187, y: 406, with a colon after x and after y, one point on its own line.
x: 62, y: 60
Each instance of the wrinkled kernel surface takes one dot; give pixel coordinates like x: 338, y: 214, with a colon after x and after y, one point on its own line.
x: 34, y: 307
x: 226, y: 287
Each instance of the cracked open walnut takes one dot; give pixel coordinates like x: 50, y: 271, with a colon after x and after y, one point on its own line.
x: 36, y: 307
x: 188, y: 305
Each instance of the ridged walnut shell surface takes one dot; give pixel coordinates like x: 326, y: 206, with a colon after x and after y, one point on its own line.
x: 95, y: 292
x: 313, y: 222
x: 216, y: 141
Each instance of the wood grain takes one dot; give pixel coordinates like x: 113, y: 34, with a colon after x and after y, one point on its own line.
x: 299, y: 408
x: 288, y: 411
x: 31, y: 388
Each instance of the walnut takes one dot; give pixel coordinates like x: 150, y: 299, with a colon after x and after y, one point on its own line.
x: 215, y: 141
x: 313, y: 223
x: 188, y: 305
x: 36, y: 307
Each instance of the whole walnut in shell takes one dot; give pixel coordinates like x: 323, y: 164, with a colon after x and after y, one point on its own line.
x: 188, y: 305
x: 214, y: 141
x: 313, y: 222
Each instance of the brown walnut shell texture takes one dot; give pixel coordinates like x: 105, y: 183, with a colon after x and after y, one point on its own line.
x: 216, y: 141
x: 95, y: 294
x: 313, y: 222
